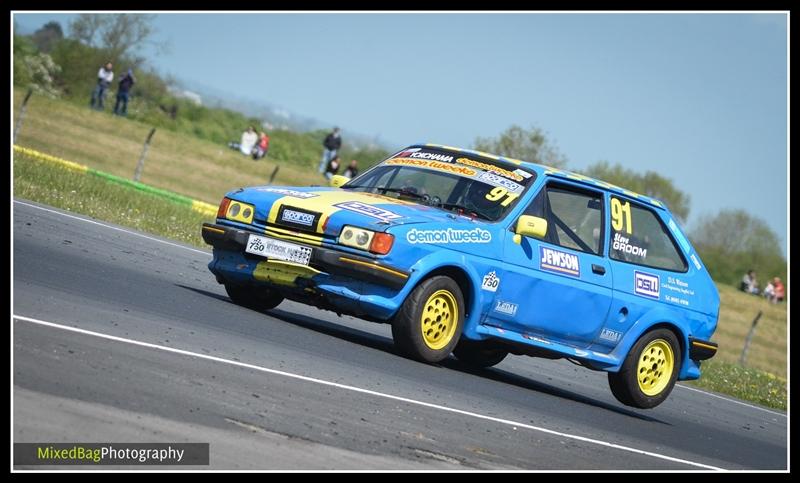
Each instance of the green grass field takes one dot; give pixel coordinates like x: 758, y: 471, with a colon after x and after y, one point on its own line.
x: 205, y: 171
x: 177, y: 162
x: 59, y: 187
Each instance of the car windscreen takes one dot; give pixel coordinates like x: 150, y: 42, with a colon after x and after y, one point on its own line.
x: 461, y: 182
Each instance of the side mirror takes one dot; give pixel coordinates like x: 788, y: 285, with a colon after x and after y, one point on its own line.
x: 530, y: 226
x: 338, y: 180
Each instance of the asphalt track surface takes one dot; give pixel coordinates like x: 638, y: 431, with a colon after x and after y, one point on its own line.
x: 120, y: 336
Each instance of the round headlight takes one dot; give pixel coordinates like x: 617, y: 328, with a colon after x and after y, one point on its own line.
x: 362, y: 238
x: 348, y: 234
x: 235, y: 209
x: 246, y: 212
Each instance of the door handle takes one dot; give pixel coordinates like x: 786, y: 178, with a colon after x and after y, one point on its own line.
x: 599, y: 269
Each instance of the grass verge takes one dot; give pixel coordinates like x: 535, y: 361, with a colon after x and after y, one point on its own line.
x: 744, y: 383
x: 59, y: 187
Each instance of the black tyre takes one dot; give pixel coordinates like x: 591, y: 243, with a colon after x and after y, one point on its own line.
x: 428, y: 324
x: 649, y: 372
x: 253, y: 298
x: 478, y: 354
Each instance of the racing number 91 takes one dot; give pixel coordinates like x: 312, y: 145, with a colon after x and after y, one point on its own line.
x: 621, y: 216
x: 498, y: 193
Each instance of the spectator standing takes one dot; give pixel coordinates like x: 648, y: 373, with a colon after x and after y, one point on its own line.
x: 332, y: 168
x: 749, y: 283
x: 352, y: 170
x: 104, y: 77
x: 332, y: 143
x: 261, y: 147
x: 248, y: 142
x: 123, y: 91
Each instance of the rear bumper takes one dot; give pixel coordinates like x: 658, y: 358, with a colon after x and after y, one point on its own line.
x: 700, y: 350
x: 326, y: 260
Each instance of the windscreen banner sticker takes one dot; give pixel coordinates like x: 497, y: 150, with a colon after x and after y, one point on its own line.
x: 696, y: 262
x: 506, y: 308
x: 559, y: 262
x: 490, y: 282
x: 298, y: 218
x: 418, y: 153
x: 369, y: 210
x: 288, y: 192
x: 449, y: 235
x: 523, y: 173
x: 622, y: 244
x: 491, y: 167
x: 647, y: 285
x: 498, y: 181
x: 405, y: 152
x: 440, y: 166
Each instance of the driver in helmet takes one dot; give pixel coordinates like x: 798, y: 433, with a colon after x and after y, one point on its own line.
x: 475, y: 201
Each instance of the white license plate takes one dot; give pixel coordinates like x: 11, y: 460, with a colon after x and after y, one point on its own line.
x: 270, y: 248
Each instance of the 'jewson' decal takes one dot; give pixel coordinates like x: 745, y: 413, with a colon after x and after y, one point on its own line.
x: 450, y: 235
x: 559, y: 262
x: 369, y: 210
x: 490, y: 282
x: 647, y: 285
x: 288, y: 192
x: 505, y: 307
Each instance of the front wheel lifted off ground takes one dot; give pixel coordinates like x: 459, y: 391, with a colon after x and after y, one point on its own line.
x: 649, y: 372
x: 259, y: 299
x: 428, y: 324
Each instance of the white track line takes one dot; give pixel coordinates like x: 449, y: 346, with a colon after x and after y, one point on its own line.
x: 730, y: 400
x: 209, y: 254
x: 366, y: 391
x: 112, y: 227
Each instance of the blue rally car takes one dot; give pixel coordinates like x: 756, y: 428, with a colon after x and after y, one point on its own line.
x: 482, y: 256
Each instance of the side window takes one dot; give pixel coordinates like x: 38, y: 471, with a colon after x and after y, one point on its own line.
x: 574, y: 217
x: 638, y: 236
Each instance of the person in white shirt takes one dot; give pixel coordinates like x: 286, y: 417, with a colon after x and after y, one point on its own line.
x: 104, y: 77
x: 248, y: 142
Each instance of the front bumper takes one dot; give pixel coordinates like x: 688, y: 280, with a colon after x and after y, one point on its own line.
x: 700, y: 350
x: 323, y: 259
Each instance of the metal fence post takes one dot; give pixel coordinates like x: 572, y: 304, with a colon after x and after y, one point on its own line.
x: 274, y: 172
x: 140, y: 165
x: 743, y: 358
x: 21, y: 116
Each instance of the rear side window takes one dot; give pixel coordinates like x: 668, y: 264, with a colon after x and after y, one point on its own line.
x: 574, y: 217
x: 638, y: 236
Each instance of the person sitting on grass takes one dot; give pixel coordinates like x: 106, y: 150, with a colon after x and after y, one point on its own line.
x: 261, y: 148
x: 749, y: 283
x: 248, y: 142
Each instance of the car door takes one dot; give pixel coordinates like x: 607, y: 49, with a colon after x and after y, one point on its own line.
x: 648, y: 268
x: 557, y: 288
